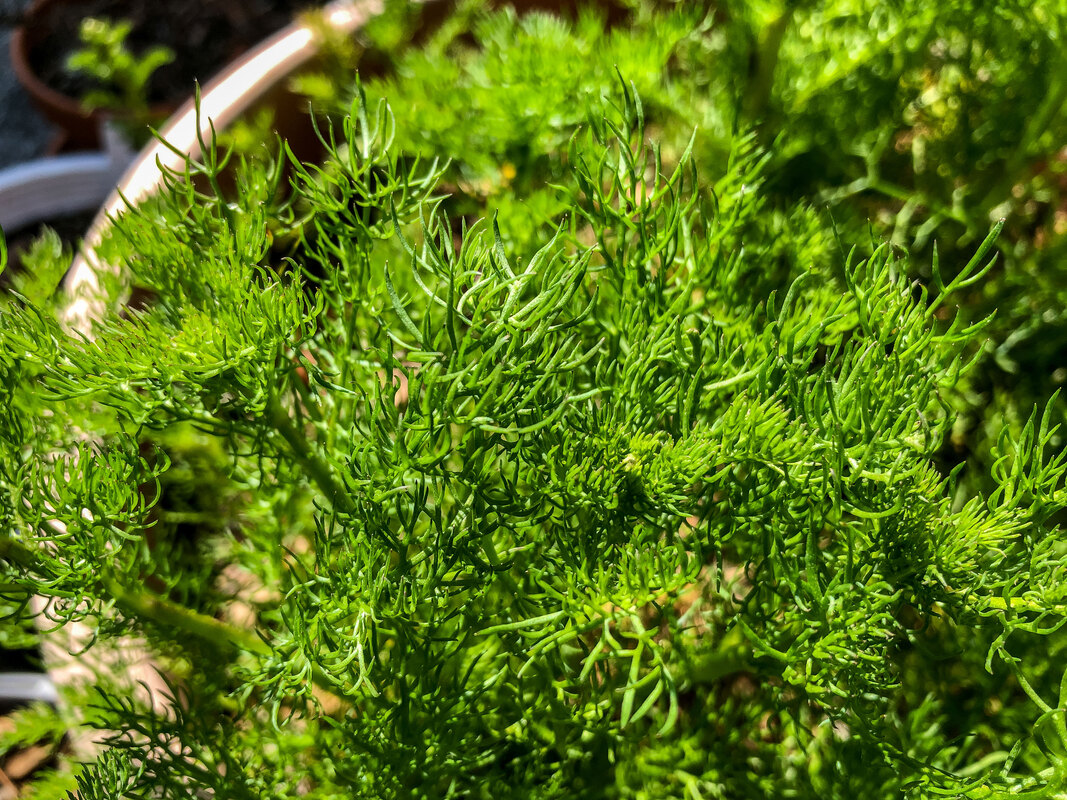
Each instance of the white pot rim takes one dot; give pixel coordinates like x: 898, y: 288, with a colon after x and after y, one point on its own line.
x: 222, y: 100
x: 27, y: 687
x: 46, y: 188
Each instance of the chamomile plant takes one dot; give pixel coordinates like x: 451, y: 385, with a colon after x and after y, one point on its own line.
x: 642, y: 493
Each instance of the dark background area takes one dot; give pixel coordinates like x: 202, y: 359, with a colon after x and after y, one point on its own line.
x: 24, y: 134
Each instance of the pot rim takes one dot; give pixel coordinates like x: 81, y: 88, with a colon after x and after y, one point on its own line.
x: 229, y: 94
x: 27, y: 687
x: 38, y: 190
x: 224, y: 98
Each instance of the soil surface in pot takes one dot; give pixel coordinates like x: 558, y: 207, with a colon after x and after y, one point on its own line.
x: 203, y: 34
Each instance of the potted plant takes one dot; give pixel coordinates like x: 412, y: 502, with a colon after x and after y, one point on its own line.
x: 593, y: 462
x: 130, y: 60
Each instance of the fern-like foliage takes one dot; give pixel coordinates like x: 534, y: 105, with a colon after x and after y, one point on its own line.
x: 607, y: 506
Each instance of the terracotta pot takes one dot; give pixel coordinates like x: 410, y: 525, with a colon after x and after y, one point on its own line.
x: 80, y: 128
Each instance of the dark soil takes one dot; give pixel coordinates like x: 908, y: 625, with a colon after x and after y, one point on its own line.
x: 203, y: 34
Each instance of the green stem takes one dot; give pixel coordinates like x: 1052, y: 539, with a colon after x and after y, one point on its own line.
x: 741, y: 377
x: 734, y: 655
x: 317, y: 469
x: 1022, y: 604
x: 147, y: 606
x: 759, y: 90
x: 165, y: 613
x: 171, y: 615
x: 151, y: 607
x: 16, y: 552
x: 895, y: 192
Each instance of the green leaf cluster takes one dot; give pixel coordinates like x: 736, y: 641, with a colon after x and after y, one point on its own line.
x: 119, y: 77
x: 549, y: 437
